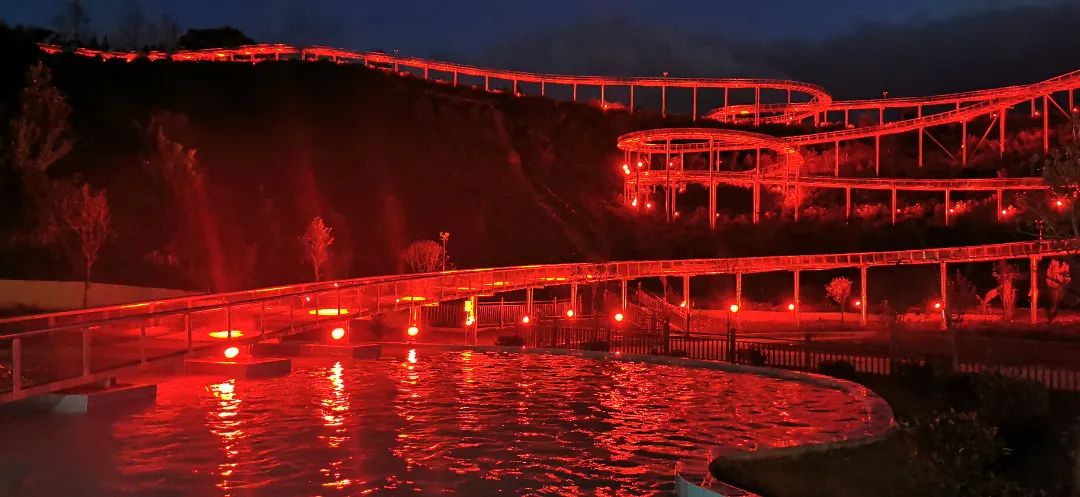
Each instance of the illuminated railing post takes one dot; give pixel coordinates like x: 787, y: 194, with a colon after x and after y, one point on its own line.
x: 529, y: 302
x: 16, y: 366
x: 624, y: 301
x: 187, y: 329
x: 631, y: 98
x: 757, y: 106
x: 877, y: 155
x: 86, y: 352
x: 142, y: 342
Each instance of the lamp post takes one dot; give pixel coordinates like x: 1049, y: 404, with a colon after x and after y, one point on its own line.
x: 444, y: 236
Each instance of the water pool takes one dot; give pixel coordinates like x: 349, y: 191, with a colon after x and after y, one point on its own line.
x: 459, y: 423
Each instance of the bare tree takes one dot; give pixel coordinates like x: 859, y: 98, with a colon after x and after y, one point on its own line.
x: 1058, y: 279
x: 960, y: 296
x: 839, y: 290
x: 72, y: 24
x: 41, y: 134
x: 133, y: 28
x: 423, y: 256
x: 167, y: 33
x: 317, y: 241
x: 85, y: 214
x: 1006, y: 275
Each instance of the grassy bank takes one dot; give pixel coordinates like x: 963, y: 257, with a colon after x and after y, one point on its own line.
x: 958, y: 435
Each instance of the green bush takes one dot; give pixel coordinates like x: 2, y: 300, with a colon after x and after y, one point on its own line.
x: 839, y: 369
x: 510, y: 341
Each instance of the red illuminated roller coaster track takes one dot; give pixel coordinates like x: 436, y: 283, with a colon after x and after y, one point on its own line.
x: 800, y: 102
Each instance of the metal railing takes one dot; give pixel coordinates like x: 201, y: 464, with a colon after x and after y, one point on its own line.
x: 47, y: 352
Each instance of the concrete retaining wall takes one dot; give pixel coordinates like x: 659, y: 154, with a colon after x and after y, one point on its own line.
x: 67, y: 295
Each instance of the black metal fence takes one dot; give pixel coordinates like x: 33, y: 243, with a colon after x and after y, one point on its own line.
x: 796, y: 355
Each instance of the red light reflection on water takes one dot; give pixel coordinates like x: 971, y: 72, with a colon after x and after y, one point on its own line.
x: 224, y: 423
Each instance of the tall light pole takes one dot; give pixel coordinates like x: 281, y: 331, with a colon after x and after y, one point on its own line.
x: 444, y: 236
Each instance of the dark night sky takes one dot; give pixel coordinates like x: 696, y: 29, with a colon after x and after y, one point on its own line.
x: 469, y: 27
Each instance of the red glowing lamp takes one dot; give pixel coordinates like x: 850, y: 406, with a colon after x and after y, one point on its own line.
x: 734, y: 308
x: 569, y: 313
x: 619, y: 317
x: 648, y: 205
x: 858, y: 303
x: 337, y: 333
x: 937, y: 305
x: 525, y: 320
x: 791, y: 307
x: 232, y: 352
x: 413, y: 331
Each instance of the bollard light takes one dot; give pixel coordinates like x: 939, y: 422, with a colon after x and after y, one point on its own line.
x: 337, y: 333
x: 232, y: 352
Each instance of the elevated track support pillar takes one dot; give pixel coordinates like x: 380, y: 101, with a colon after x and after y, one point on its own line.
x: 756, y: 186
x: 757, y: 106
x: 963, y: 142
x: 624, y: 302
x: 529, y: 302
x: 1034, y: 272
x: 796, y: 297
x: 574, y: 94
x: 663, y: 101
x: 943, y: 273
x: 693, y: 111
x: 738, y: 289
x: 948, y: 205
x: 863, y: 304
x: 631, y: 98
x: 836, y: 159
x: 893, y: 209
x: 1046, y: 124
x: 847, y: 203
x: 574, y: 297
x: 1001, y: 132
x: 877, y: 155
x: 686, y: 299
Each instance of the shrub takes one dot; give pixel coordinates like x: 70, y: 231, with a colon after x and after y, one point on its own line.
x: 952, y: 453
x: 677, y: 353
x: 753, y: 357
x: 839, y: 369
x: 596, y: 345
x: 915, y: 375
x: 510, y: 341
x: 1001, y: 400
